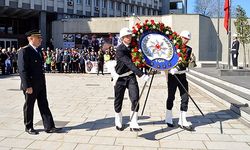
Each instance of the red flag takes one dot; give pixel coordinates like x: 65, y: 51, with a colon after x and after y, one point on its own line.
x: 226, y: 18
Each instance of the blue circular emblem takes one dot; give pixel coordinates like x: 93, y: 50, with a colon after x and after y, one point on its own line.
x: 159, y: 52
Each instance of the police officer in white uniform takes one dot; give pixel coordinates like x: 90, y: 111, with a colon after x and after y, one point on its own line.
x: 235, y: 51
x: 180, y: 72
x: 126, y: 78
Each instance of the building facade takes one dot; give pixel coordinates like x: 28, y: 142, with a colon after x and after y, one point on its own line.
x: 203, y: 29
x: 20, y: 16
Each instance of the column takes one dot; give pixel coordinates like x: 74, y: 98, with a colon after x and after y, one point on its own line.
x: 42, y: 26
x: 20, y: 3
x: 7, y: 2
x: 65, y: 6
x: 92, y: 7
x: 44, y: 5
x: 55, y: 5
x: 115, y: 8
x: 100, y: 8
x: 122, y: 9
x: 74, y: 7
x: 32, y: 3
x: 84, y: 7
x: 184, y: 5
x: 108, y: 8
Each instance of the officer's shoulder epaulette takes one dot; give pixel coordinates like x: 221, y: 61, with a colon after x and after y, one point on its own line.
x: 22, y: 48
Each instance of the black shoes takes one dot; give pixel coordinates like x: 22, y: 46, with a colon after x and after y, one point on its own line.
x: 119, y: 129
x: 136, y: 129
x: 188, y: 128
x: 53, y: 130
x: 170, y: 125
x: 31, y: 131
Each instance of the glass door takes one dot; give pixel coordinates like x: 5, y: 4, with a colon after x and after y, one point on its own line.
x: 5, y: 43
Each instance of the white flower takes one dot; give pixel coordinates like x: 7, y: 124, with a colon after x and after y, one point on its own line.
x: 133, y: 35
x: 141, y: 31
x: 174, y: 41
x: 167, y: 32
x: 180, y: 58
x: 178, y: 50
x: 139, y: 50
x: 154, y: 26
x: 141, y: 24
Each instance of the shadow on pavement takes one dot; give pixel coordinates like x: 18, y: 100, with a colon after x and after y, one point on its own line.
x: 197, y: 121
x: 100, y: 124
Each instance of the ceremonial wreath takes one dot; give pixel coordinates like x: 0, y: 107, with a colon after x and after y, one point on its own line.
x: 153, y: 39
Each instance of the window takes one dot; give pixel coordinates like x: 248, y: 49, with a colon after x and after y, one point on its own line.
x: 118, y: 6
x: 2, y: 29
x: 132, y: 8
x: 97, y: 3
x: 143, y: 11
x: 104, y: 3
x: 138, y: 10
x: 10, y: 30
x: 149, y: 12
x: 126, y: 7
x: 78, y: 1
x: 176, y: 5
x: 88, y: 2
x: 111, y: 4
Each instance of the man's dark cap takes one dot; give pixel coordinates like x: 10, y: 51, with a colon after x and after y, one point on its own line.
x: 33, y: 32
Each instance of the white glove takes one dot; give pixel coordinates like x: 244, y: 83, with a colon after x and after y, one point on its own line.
x: 115, y: 77
x: 173, y: 71
x: 145, y: 77
x: 234, y: 55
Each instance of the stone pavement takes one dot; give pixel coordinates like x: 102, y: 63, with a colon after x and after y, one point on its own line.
x: 83, y: 105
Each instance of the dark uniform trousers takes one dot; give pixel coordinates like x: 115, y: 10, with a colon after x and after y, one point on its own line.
x: 235, y: 59
x: 172, y: 86
x: 39, y: 93
x: 235, y: 51
x: 131, y: 84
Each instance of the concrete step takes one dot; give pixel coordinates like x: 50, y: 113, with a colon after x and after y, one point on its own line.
x: 233, y: 96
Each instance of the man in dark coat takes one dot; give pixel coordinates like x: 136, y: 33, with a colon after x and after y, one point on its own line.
x: 33, y: 84
x: 126, y: 71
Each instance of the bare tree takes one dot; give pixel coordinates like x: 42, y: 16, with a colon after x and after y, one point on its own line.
x: 210, y: 8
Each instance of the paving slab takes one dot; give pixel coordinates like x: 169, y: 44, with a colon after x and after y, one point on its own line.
x: 83, y: 105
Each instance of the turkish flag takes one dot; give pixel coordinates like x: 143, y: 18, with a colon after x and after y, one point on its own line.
x: 226, y: 18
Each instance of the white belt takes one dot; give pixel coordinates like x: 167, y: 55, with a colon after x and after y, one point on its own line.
x: 126, y: 74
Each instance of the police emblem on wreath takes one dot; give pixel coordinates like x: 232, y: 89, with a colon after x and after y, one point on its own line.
x: 156, y: 45
x: 159, y: 52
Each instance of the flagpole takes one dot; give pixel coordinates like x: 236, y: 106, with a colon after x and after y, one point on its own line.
x: 218, y: 36
x: 229, y: 34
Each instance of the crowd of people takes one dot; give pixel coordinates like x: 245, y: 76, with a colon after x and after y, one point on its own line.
x: 62, y: 60
x: 8, y: 60
x: 73, y: 60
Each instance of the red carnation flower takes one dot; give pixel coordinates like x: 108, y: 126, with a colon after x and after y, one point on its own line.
x: 177, y: 46
x: 138, y: 26
x: 135, y: 49
x: 152, y: 22
x: 170, y: 37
